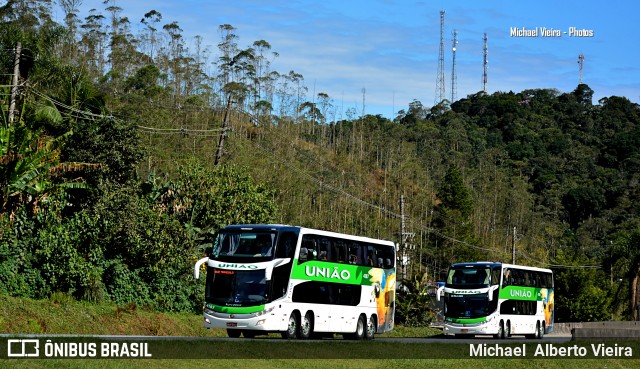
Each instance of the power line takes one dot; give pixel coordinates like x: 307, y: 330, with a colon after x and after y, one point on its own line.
x: 176, y: 130
x: 396, y: 215
x: 72, y: 109
x: 301, y: 172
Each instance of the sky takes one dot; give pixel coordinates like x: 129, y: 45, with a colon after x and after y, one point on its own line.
x: 380, y: 55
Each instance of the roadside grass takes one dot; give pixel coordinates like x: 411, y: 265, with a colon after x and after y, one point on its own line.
x: 319, y: 364
x: 62, y: 314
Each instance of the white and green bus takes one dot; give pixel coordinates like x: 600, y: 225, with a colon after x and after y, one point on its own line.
x: 485, y: 298
x: 298, y: 281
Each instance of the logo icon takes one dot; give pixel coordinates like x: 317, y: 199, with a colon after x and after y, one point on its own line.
x: 23, y: 348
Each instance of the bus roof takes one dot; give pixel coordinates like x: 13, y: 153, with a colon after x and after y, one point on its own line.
x: 498, y: 264
x: 303, y: 230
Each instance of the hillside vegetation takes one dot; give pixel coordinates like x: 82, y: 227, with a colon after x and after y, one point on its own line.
x: 114, y: 180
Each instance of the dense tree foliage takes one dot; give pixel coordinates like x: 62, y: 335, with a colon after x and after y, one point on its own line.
x: 109, y: 188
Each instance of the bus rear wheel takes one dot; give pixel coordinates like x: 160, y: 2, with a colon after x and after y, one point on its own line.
x: 540, y: 334
x: 306, y: 326
x: 370, y: 332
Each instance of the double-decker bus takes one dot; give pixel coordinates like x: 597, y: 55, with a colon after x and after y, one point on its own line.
x: 298, y: 281
x: 486, y: 298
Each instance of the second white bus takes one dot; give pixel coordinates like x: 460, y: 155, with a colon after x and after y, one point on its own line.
x: 484, y: 298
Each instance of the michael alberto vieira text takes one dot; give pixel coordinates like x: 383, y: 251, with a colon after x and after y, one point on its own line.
x: 549, y: 350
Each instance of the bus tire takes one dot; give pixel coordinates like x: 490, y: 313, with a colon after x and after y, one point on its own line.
x: 292, y: 326
x: 500, y: 334
x: 370, y: 331
x: 233, y: 333
x: 306, y: 326
x: 361, y: 328
x: 507, y: 330
x: 249, y: 334
x: 540, y: 331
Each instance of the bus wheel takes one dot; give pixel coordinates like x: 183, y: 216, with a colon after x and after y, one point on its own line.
x: 540, y: 331
x: 371, y: 328
x: 249, y: 334
x: 292, y: 327
x: 233, y: 333
x: 500, y: 334
x: 360, y: 328
x: 535, y: 334
x: 306, y: 326
x: 507, y: 331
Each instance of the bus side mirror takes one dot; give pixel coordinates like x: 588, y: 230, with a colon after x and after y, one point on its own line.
x: 491, y: 290
x: 196, y: 269
x: 438, y: 291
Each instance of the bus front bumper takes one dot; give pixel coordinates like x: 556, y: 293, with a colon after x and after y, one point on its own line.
x: 264, y: 322
x: 487, y: 327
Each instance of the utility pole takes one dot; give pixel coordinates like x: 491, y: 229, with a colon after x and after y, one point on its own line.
x: 403, y: 247
x: 14, y: 83
x: 513, y: 247
x: 404, y: 238
x: 225, y: 125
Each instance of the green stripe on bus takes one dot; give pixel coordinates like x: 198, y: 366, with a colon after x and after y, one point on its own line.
x: 324, y: 271
x: 467, y: 320
x: 521, y: 293
x: 235, y: 309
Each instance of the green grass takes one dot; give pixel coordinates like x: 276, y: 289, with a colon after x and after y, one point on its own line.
x: 64, y: 315
x: 315, y: 364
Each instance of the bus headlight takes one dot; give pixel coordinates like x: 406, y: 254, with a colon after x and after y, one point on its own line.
x: 263, y: 312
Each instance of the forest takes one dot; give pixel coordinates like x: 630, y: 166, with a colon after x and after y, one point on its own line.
x: 121, y: 154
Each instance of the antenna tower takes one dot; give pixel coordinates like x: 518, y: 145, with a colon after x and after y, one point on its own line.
x: 440, y: 86
x: 454, y: 77
x: 581, y: 62
x: 484, y: 63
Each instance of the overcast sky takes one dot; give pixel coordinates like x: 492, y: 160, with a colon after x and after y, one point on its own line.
x: 390, y: 47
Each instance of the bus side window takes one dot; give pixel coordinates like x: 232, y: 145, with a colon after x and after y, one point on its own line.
x: 379, y: 261
x: 339, y: 251
x: 310, y: 244
x: 528, y: 278
x: 506, y: 278
x: 286, y: 245
x: 495, y: 276
x: 354, y: 253
x: 323, y: 253
x: 371, y: 256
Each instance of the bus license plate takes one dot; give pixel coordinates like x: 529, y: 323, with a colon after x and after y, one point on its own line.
x: 232, y: 324
x: 461, y: 331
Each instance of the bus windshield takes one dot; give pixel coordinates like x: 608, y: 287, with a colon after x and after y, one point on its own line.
x: 469, y: 277
x: 252, y: 246
x: 236, y: 287
x: 468, y: 306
